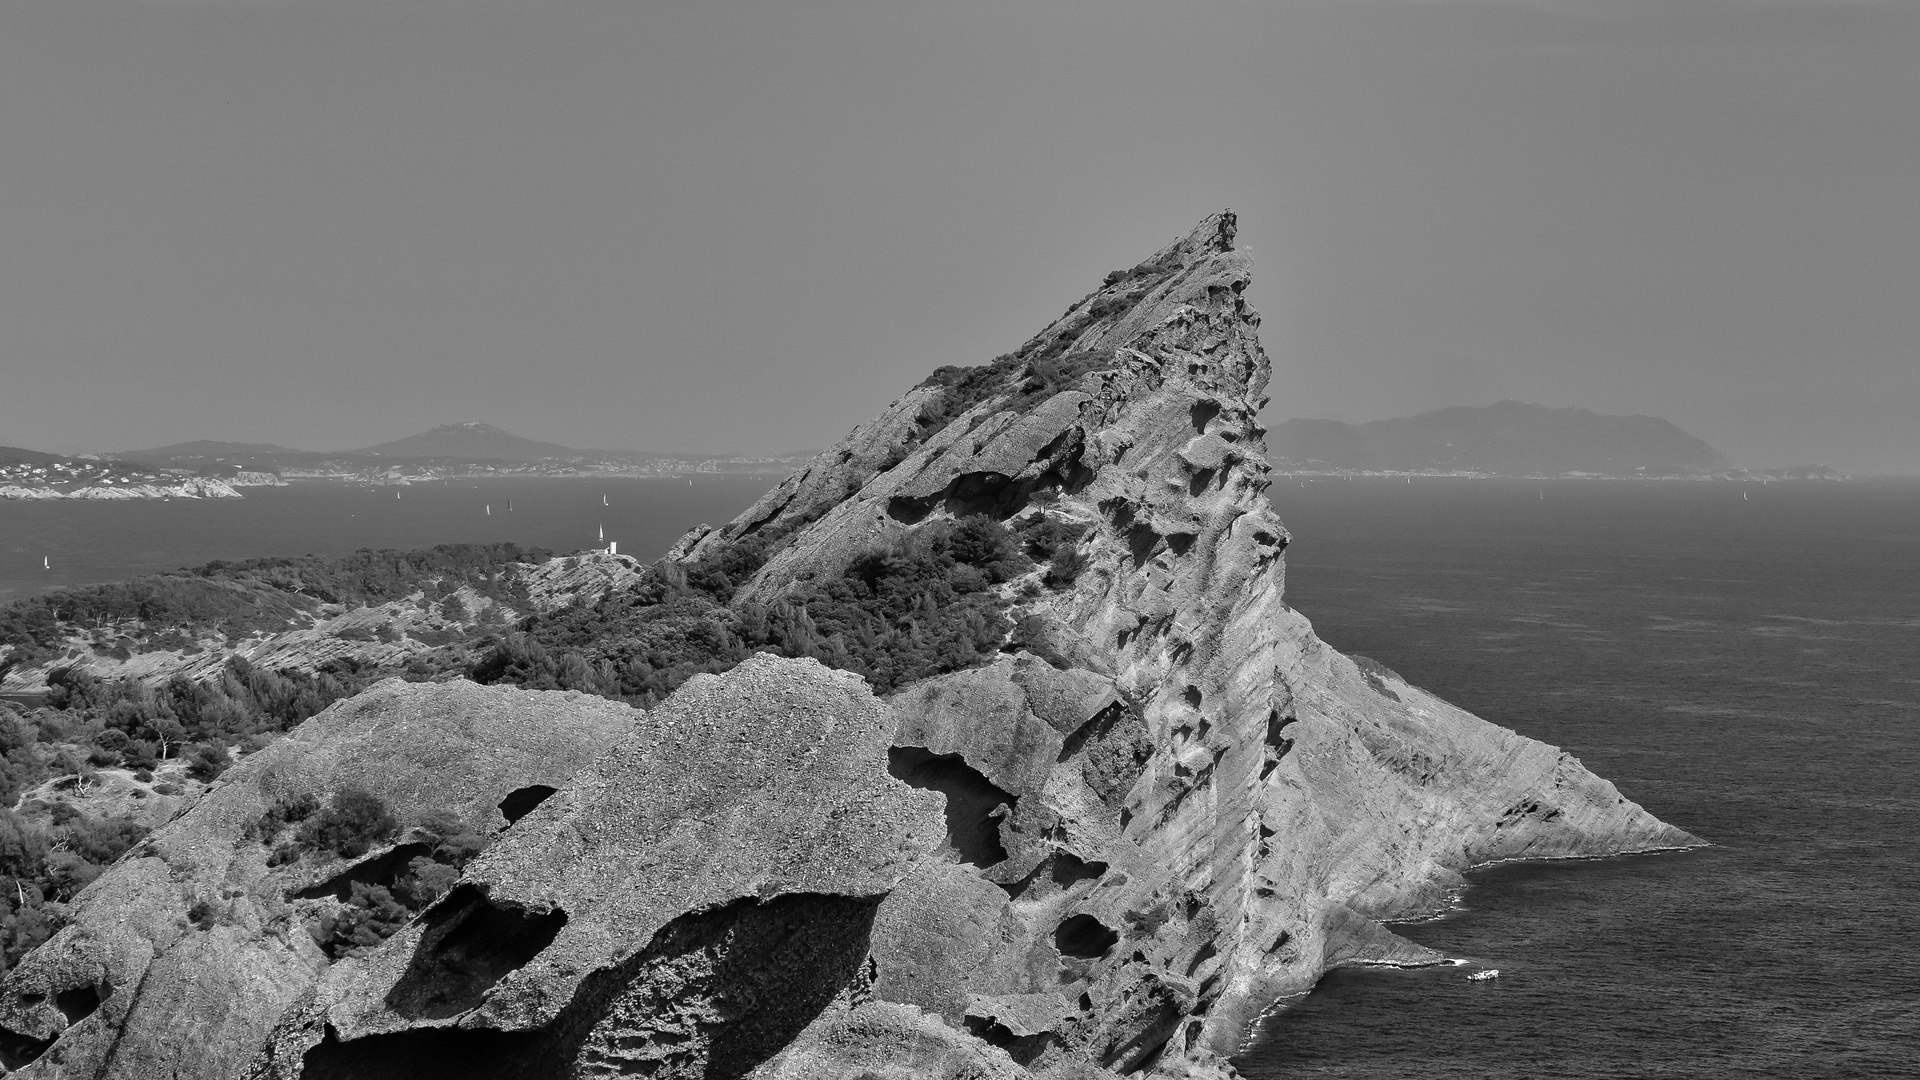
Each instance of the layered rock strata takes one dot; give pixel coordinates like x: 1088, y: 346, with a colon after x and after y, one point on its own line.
x: 1206, y: 806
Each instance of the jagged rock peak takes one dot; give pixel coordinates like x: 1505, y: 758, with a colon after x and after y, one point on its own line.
x: 1174, y: 326
x: 1212, y: 236
x: 1129, y: 803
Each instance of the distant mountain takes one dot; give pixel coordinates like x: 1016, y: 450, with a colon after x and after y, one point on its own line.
x: 207, y: 448
x: 1508, y: 437
x: 470, y: 440
x: 14, y: 455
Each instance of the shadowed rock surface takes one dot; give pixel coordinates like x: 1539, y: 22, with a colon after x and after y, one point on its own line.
x: 1099, y: 852
x: 187, y: 951
x: 710, y: 887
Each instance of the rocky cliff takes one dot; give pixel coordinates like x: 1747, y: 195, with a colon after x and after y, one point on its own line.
x: 180, y: 959
x: 1101, y: 850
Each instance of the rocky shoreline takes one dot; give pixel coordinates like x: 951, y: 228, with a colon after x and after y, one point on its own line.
x: 193, y: 488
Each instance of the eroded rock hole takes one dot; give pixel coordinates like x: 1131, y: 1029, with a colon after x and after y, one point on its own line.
x: 520, y: 803
x: 1142, y: 540
x: 18, y: 1051
x: 1203, y: 413
x: 1084, y: 937
x: 1062, y: 870
x: 712, y: 996
x: 908, y: 511
x: 1023, y: 1049
x: 973, y: 825
x: 1276, y: 729
x: 990, y: 493
x: 379, y: 870
x: 470, y: 944
x: 78, y: 1003
x: 1199, y: 482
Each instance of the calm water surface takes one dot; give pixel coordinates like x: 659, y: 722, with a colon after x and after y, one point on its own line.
x: 91, y: 542
x: 1748, y: 669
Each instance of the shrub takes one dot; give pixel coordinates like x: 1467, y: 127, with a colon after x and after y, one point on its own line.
x: 284, y: 812
x: 205, y: 762
x: 1045, y: 536
x: 1065, y: 566
x: 372, y: 916
x: 351, y: 823
x: 376, y: 909
x: 924, y: 604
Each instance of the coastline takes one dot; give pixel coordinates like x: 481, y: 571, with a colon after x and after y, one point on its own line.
x: 196, y: 488
x: 1452, y: 907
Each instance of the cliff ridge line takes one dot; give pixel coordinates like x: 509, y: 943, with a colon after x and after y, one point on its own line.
x: 1155, y: 804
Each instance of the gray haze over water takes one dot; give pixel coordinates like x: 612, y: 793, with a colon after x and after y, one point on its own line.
x: 713, y: 227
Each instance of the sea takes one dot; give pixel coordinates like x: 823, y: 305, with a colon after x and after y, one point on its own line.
x: 48, y: 544
x: 1743, y: 659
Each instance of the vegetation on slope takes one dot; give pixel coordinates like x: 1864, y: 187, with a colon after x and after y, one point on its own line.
x: 371, y: 907
x: 925, y: 604
x: 91, y: 729
x: 230, y: 600
x: 935, y: 600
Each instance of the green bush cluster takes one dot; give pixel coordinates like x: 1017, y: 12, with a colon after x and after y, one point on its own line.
x: 923, y: 605
x: 349, y: 825
x: 137, y: 724
x: 234, y: 599
x: 44, y: 866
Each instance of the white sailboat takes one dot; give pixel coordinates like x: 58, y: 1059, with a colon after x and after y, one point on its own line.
x: 603, y: 500
x: 46, y: 562
x: 489, y: 509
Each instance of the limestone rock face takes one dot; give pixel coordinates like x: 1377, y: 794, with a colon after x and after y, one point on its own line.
x: 1162, y: 805
x: 1192, y: 806
x: 697, y: 897
x: 181, y: 958
x: 579, y: 579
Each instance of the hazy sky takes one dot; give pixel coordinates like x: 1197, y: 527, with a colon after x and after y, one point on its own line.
x: 714, y: 226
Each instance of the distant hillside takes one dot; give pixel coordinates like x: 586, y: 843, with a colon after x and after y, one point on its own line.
x: 1509, y: 437
x: 470, y: 440
x: 208, y: 448
x: 470, y: 448
x: 14, y: 455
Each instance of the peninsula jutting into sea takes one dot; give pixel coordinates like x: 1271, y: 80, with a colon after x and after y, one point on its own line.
x: 984, y: 744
